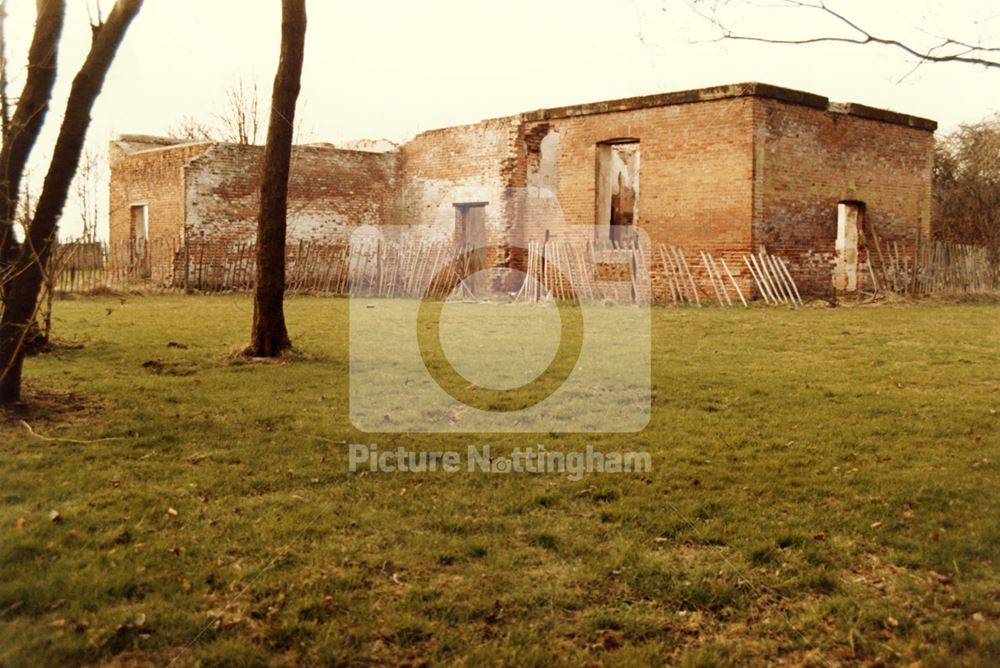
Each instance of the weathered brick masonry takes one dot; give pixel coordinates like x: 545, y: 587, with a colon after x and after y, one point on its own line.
x: 207, y: 195
x: 809, y: 157
x: 330, y: 191
x: 729, y: 170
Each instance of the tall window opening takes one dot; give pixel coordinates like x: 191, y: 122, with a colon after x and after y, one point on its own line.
x: 138, y: 234
x: 140, y: 222
x: 617, y: 190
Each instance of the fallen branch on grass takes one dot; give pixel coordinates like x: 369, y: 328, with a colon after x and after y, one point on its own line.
x: 53, y: 439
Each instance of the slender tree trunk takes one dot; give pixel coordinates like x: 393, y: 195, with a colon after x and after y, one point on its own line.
x: 29, y: 115
x: 21, y: 294
x: 269, y: 336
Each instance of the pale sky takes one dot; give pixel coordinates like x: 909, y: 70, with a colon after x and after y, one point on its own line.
x: 385, y: 69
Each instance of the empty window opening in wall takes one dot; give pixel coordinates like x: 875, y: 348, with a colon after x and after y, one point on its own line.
x: 850, y: 224
x: 140, y: 222
x: 617, y: 190
x: 470, y: 238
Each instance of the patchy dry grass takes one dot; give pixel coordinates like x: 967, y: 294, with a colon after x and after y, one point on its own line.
x: 825, y: 491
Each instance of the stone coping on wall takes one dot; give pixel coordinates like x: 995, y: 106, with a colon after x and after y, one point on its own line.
x: 749, y: 89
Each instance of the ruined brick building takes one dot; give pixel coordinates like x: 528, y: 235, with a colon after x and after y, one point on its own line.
x: 729, y: 170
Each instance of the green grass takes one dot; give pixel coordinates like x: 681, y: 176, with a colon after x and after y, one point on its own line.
x: 824, y: 491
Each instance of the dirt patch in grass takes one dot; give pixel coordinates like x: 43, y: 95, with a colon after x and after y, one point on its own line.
x: 48, y: 406
x: 168, y: 367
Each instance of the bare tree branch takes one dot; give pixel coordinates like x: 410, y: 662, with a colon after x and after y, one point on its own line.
x: 87, y: 191
x: 949, y: 50
x: 967, y: 185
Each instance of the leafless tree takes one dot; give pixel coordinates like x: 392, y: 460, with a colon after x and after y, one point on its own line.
x: 967, y: 185
x: 88, y: 192
x: 268, y: 334
x: 21, y: 291
x: 241, y: 120
x: 845, y: 29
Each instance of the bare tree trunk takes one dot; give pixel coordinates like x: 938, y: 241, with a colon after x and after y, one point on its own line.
x: 21, y: 295
x: 28, y: 118
x: 269, y: 336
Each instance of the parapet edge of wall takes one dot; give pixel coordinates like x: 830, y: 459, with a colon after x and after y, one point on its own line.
x: 730, y: 91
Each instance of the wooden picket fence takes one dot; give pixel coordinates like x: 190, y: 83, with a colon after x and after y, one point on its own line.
x: 556, y: 270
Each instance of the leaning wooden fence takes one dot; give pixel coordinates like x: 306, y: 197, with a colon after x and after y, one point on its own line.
x: 553, y: 269
x: 933, y: 269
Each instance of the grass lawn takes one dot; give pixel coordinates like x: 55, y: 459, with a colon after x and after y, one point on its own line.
x: 825, y: 491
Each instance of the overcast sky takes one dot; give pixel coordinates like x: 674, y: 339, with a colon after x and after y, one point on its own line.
x: 390, y: 69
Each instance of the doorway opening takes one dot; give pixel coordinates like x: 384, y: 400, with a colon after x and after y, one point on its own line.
x: 470, y: 240
x: 850, y: 223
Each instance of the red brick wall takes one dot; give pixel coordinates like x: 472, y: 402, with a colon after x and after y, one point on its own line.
x: 807, y: 160
x: 722, y: 170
